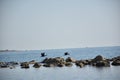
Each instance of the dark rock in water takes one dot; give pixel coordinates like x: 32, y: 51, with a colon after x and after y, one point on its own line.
x: 12, y: 63
x: 66, y: 53
x: 68, y: 64
x: 8, y: 64
x: 116, y: 58
x: 99, y: 61
x: 36, y: 65
x: 24, y: 65
x: 54, y: 61
x: 116, y: 62
x: 3, y: 65
x: 69, y: 59
x: 80, y: 64
x: 48, y: 65
x: 43, y: 55
x: 102, y: 64
x: 98, y: 58
x: 32, y: 62
x: 60, y: 65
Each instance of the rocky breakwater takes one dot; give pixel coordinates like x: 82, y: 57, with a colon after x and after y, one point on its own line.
x: 98, y: 61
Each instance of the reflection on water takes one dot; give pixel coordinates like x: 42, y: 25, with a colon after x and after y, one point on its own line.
x: 64, y: 73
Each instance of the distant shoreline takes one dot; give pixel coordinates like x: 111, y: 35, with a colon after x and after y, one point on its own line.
x: 7, y: 50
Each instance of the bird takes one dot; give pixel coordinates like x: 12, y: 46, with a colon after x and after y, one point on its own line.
x: 66, y: 53
x: 43, y: 54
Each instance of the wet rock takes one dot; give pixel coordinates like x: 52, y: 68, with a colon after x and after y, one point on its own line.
x: 102, y: 64
x: 36, y: 65
x: 68, y: 64
x: 88, y: 62
x: 116, y: 62
x: 32, y: 62
x: 12, y: 63
x: 3, y: 65
x: 60, y: 65
x: 69, y: 59
x: 80, y: 64
x: 116, y: 58
x: 98, y: 58
x: 54, y: 61
x: 48, y: 65
x: 99, y: 61
x: 24, y: 65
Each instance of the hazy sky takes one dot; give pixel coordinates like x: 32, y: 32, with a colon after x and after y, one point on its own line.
x: 48, y: 24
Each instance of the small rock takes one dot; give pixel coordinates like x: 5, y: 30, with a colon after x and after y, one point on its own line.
x: 68, y: 64
x: 69, y: 59
x: 32, y: 62
x: 116, y: 63
x: 36, y: 65
x: 80, y: 64
x: 25, y: 65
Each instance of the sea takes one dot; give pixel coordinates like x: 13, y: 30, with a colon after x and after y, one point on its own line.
x: 60, y: 73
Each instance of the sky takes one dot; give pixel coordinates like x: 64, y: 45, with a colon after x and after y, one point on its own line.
x: 56, y: 24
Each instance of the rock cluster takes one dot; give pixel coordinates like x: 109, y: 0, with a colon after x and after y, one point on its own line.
x: 8, y: 64
x: 98, y: 61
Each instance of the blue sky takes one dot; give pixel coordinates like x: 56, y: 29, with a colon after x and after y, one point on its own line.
x: 51, y: 24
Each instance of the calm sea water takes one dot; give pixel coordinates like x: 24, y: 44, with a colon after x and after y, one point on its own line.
x: 64, y: 73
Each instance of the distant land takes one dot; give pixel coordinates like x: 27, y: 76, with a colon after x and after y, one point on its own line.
x: 7, y: 50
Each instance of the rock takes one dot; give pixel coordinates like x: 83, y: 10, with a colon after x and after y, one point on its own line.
x: 36, y: 65
x: 98, y: 58
x: 102, y: 64
x: 54, y: 61
x: 3, y: 65
x: 116, y: 62
x: 88, y: 62
x: 69, y: 59
x: 66, y: 53
x: 99, y: 61
x: 32, y: 62
x: 60, y: 65
x: 12, y: 63
x: 80, y: 64
x: 68, y: 64
x: 25, y: 65
x: 48, y: 65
